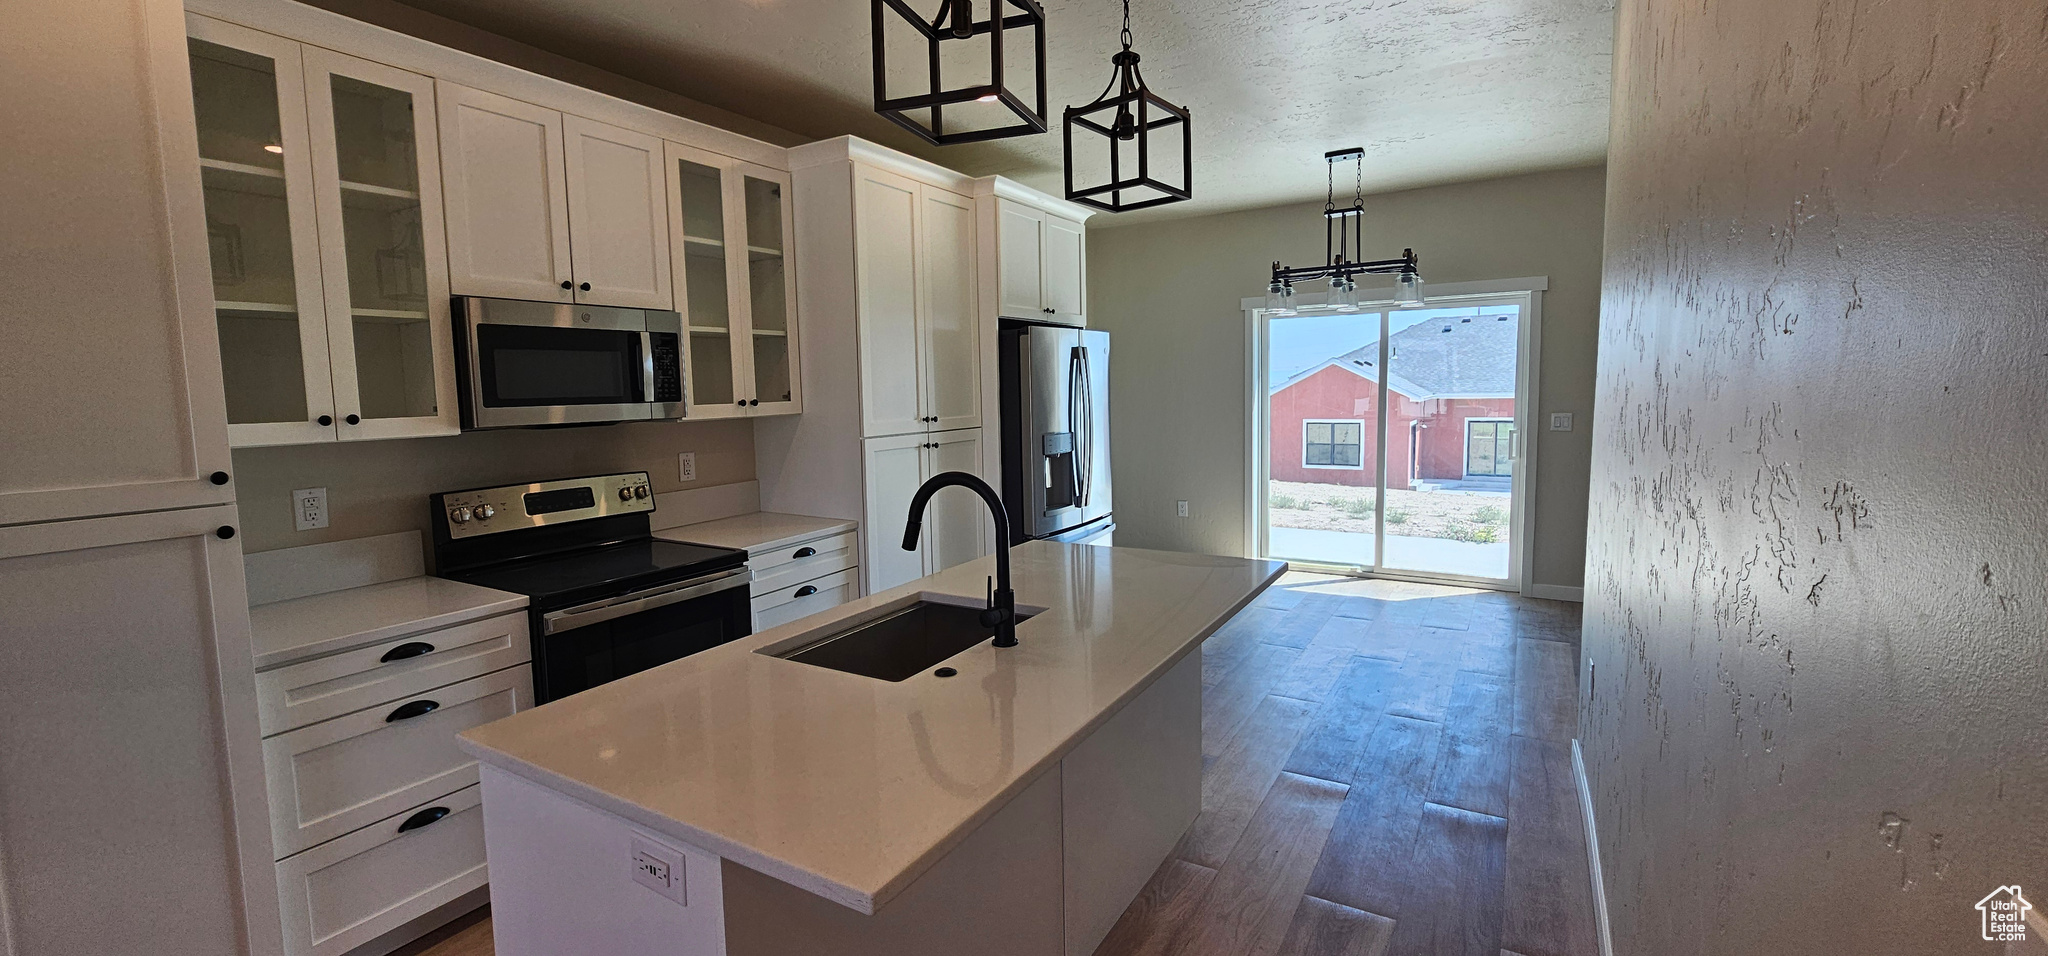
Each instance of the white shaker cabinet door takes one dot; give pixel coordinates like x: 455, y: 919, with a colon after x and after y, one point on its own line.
x: 949, y: 343
x: 886, y: 267
x: 1020, y: 270
x: 1066, y: 267
x: 893, y: 468
x: 957, y: 523
x: 507, y: 196
x: 618, y: 219
x: 129, y: 741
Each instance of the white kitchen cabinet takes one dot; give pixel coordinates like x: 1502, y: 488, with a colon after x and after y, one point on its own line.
x: 618, y: 220
x: 728, y: 221
x: 508, y: 196
x: 552, y: 207
x: 1041, y: 264
x: 321, y: 178
x: 956, y: 527
x: 920, y: 334
x: 128, y: 739
x: 355, y: 888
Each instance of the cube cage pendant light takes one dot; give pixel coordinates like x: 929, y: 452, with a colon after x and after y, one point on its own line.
x: 1343, y: 239
x: 1128, y: 112
x: 954, y: 23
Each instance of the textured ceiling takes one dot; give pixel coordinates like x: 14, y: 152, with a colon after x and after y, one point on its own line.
x: 1435, y: 90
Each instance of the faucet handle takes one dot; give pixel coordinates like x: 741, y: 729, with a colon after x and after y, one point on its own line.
x: 992, y: 615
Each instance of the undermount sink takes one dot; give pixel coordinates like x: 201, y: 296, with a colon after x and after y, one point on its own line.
x: 901, y: 644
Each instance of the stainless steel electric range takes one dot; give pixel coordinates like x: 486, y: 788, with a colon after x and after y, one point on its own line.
x: 608, y: 598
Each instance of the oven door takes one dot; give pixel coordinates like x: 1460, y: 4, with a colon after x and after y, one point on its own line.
x: 577, y: 648
x: 540, y: 363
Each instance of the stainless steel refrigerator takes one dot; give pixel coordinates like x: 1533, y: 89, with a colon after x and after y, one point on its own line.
x: 1055, y: 409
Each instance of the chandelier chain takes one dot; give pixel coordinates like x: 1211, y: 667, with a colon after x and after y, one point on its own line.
x: 1126, y: 35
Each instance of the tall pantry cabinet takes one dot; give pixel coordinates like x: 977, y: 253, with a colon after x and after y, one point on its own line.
x: 128, y: 734
x: 888, y: 274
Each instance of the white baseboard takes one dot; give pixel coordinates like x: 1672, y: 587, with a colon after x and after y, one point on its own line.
x: 1555, y: 592
x: 1592, y: 850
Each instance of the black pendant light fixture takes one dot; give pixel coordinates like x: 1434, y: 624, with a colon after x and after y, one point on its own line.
x: 953, y: 29
x: 1143, y: 131
x: 1343, y: 239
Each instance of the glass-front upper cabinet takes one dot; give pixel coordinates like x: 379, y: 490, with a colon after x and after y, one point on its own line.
x: 727, y: 221
x: 324, y: 230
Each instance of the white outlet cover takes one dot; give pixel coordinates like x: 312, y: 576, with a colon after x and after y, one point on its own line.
x: 1181, y: 508
x: 661, y: 869
x: 1560, y: 421
x: 309, y: 509
x: 686, y: 464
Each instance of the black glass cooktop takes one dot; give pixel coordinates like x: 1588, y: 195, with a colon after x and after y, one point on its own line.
x: 592, y: 573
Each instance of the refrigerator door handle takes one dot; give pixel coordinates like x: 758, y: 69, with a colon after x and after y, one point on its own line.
x: 1077, y: 369
x: 1086, y: 458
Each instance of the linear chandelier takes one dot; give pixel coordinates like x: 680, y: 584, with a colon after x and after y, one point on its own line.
x: 1343, y: 239
x: 1138, y: 114
x: 954, y: 23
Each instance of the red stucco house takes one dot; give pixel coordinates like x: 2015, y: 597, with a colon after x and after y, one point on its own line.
x: 1450, y: 414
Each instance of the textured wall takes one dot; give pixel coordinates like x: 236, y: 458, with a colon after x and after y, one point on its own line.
x: 1815, y: 679
x: 1171, y: 293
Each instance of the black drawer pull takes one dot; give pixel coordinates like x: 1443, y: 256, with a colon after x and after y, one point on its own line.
x: 418, y: 708
x: 803, y: 553
x: 405, y: 650
x: 807, y: 590
x: 423, y: 818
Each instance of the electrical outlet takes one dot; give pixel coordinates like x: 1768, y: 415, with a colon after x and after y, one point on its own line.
x: 1180, y: 508
x: 309, y: 509
x: 1560, y: 421
x: 686, y: 463
x: 660, y: 869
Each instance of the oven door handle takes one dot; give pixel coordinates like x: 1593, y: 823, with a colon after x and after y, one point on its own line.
x: 555, y: 622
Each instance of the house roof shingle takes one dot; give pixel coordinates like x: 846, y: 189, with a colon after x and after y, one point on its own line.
x: 1456, y: 356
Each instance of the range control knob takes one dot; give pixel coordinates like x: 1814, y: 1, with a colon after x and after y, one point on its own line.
x: 639, y: 491
x: 625, y: 493
x: 484, y: 512
x: 459, y: 515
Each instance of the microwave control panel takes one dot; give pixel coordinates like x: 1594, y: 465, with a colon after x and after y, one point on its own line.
x: 480, y: 511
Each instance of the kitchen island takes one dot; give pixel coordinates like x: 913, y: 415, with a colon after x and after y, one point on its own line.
x: 739, y: 802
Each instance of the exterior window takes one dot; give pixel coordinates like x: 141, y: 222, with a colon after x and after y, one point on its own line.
x: 1489, y: 447
x: 1333, y: 444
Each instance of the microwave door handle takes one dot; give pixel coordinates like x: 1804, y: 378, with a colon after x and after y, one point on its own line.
x: 555, y: 622
x: 647, y: 366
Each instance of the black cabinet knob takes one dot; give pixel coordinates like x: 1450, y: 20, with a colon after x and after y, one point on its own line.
x: 807, y: 590
x: 353, y: 419
x: 566, y: 284
x: 753, y: 401
x: 224, y: 532
x: 218, y: 478
x: 422, y: 818
x: 741, y: 403
x: 585, y: 287
x: 417, y: 708
x: 405, y: 650
x: 325, y: 420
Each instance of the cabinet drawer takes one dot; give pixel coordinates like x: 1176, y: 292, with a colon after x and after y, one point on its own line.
x: 354, y: 770
x: 293, y: 696
x: 782, y: 568
x: 781, y: 607
x: 348, y: 891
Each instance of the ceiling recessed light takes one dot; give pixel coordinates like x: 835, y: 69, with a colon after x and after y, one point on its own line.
x: 273, y: 148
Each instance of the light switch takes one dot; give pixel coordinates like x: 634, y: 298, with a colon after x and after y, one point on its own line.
x: 1180, y: 508
x: 309, y: 509
x: 1560, y: 421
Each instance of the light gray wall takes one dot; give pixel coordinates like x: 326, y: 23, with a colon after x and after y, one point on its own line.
x: 378, y: 487
x: 1815, y: 676
x: 1169, y: 293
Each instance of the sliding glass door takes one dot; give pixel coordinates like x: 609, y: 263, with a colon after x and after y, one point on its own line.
x: 1390, y: 439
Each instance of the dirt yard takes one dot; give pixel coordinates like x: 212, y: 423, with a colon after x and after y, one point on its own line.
x: 1456, y: 515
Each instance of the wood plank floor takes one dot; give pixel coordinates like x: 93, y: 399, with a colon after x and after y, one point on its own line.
x: 1388, y: 773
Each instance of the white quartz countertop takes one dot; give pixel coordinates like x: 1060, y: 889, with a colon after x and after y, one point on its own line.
x: 851, y: 787
x: 300, y: 628
x: 760, y: 531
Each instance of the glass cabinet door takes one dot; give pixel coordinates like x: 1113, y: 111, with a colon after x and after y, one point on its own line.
x: 384, y: 261
x: 257, y: 174
x: 703, y: 269
x: 771, y: 290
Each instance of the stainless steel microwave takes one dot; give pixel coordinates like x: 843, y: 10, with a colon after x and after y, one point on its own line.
x: 524, y: 364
